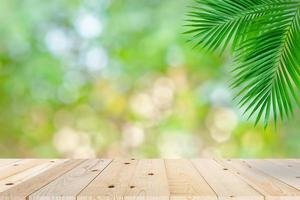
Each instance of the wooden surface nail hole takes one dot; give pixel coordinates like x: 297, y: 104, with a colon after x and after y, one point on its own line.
x: 290, y: 165
x: 127, y: 163
x: 52, y: 161
x: 94, y: 170
x: 16, y: 164
x: 231, y: 196
x: 132, y: 186
x: 111, y: 186
x: 150, y: 174
x: 132, y: 159
x: 9, y: 183
x: 225, y: 169
x: 298, y: 177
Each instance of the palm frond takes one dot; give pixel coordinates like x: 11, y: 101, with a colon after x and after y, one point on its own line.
x: 265, y: 38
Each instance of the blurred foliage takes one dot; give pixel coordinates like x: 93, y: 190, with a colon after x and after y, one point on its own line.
x: 116, y: 78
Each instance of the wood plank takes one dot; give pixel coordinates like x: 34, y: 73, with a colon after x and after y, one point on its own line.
x: 70, y: 184
x: 270, y: 187
x: 112, y: 183
x: 185, y: 182
x: 292, y: 164
x: 4, y: 162
x: 126, y: 179
x: 16, y: 179
x: 19, y: 166
x: 149, y: 181
x: 24, y: 189
x: 224, y: 182
x: 281, y: 172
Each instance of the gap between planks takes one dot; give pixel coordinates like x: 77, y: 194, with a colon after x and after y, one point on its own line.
x: 163, y: 179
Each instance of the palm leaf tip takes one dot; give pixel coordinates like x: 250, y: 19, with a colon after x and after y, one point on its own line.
x: 264, y: 36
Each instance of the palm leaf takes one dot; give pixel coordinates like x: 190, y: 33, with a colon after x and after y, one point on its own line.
x: 265, y: 39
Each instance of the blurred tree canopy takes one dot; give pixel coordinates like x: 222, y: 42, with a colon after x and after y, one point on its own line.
x: 116, y: 78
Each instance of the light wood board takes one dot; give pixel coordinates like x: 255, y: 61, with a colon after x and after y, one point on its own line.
x: 149, y: 179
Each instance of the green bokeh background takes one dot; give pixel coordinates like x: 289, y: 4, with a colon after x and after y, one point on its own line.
x: 116, y: 78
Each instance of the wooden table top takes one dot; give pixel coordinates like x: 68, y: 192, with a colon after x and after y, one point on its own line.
x: 119, y: 179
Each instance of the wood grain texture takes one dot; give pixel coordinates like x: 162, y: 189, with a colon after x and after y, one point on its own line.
x: 112, y: 183
x: 185, y: 182
x: 69, y: 185
x: 19, y: 166
x: 24, y: 189
x: 149, y: 179
x: 18, y: 178
x: 282, y: 172
x: 269, y: 186
x: 291, y: 164
x: 224, y: 182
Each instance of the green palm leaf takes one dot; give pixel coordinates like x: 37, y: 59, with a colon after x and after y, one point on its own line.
x: 265, y: 38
